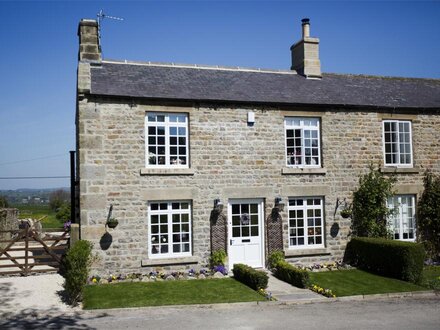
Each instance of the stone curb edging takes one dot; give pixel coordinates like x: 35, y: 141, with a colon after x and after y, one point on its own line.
x: 415, y: 294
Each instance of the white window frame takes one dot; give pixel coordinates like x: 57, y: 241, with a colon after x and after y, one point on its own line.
x: 399, y: 216
x: 169, y: 213
x: 168, y: 125
x: 305, y: 227
x: 303, y: 126
x: 398, y: 164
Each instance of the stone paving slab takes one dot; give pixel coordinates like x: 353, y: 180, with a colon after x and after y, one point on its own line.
x: 283, y: 291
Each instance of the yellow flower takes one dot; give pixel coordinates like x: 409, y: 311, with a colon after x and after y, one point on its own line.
x: 94, y: 280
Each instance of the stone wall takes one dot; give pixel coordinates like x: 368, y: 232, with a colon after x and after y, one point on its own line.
x: 228, y: 159
x: 8, y: 221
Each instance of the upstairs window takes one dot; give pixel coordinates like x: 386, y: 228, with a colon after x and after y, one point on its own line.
x: 302, y: 142
x: 166, y: 140
x: 397, y: 143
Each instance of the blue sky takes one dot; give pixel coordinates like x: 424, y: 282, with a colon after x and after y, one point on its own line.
x: 38, y: 56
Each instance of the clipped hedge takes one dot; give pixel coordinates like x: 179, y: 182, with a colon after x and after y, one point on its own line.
x: 397, y: 259
x: 75, y: 269
x: 290, y: 274
x: 252, y: 278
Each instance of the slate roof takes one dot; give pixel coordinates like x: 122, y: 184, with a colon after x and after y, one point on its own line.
x: 173, y: 82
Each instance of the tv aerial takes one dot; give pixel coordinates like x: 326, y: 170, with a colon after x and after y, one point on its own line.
x: 101, y: 17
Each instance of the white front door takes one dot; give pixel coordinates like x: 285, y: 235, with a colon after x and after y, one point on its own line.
x: 245, y: 232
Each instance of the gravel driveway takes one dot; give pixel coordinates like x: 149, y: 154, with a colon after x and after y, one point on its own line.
x: 32, y: 293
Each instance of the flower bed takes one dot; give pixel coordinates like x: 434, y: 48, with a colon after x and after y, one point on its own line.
x: 216, y: 272
x: 326, y: 266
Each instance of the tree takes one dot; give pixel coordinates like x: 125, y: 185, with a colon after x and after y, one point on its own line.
x: 3, y: 202
x: 370, y: 212
x: 428, y: 215
x: 63, y: 212
x: 58, y: 198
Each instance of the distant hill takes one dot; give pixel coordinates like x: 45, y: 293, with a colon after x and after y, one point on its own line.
x: 29, y: 196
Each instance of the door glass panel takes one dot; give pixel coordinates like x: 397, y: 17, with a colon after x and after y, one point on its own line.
x: 245, y: 220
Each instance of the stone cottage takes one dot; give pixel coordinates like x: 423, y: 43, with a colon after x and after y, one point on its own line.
x: 191, y: 159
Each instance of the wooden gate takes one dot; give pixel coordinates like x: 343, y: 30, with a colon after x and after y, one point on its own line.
x: 26, y: 251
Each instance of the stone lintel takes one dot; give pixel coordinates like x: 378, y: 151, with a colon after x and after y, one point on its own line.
x: 304, y: 191
x: 248, y: 192
x: 407, y: 189
x: 161, y: 194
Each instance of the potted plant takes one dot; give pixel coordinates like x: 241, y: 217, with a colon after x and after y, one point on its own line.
x: 112, y: 223
x: 346, y: 213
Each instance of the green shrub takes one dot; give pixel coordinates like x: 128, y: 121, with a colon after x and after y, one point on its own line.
x: 369, y: 209
x: 254, y: 279
x: 274, y: 258
x: 291, y: 274
x: 76, y: 266
x: 434, y: 284
x: 63, y: 213
x: 428, y: 215
x: 217, y: 258
x: 401, y: 260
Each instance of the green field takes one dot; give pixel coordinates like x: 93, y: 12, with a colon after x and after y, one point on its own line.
x: 38, y: 212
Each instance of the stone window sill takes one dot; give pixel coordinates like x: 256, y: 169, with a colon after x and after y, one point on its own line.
x: 167, y: 171
x: 401, y: 170
x: 169, y: 261
x: 296, y: 170
x: 306, y: 252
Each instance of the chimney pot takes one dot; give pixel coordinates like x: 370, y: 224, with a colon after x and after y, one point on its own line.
x: 305, y: 28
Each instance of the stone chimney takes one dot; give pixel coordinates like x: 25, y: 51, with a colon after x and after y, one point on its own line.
x: 305, y: 54
x: 89, y: 48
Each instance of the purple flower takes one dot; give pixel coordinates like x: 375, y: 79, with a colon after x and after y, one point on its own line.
x: 220, y: 268
x: 67, y: 225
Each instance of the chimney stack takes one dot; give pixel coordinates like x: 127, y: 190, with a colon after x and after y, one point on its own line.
x: 305, y: 54
x: 89, y: 48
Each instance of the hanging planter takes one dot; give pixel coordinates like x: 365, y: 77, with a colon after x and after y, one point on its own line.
x: 112, y: 223
x: 346, y: 213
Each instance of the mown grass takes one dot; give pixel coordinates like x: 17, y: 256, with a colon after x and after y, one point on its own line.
x: 161, y: 293
x: 357, y: 282
x: 431, y: 272
x: 37, y: 212
x: 431, y: 277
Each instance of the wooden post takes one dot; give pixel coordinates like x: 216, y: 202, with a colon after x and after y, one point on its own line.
x: 26, y: 251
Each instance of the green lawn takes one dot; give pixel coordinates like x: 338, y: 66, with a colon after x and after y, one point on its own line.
x: 431, y: 272
x: 431, y: 277
x: 37, y: 212
x: 161, y: 293
x: 357, y: 282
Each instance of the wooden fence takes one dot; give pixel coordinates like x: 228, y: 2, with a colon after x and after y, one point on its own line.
x: 26, y: 251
